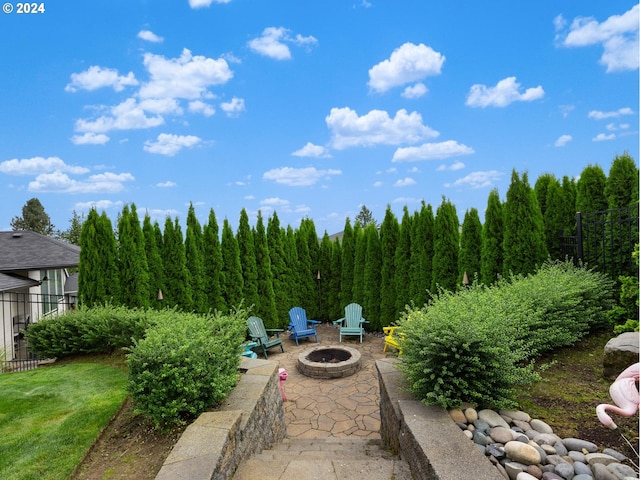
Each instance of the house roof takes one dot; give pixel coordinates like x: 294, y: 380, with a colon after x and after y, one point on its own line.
x: 26, y: 250
x: 12, y: 282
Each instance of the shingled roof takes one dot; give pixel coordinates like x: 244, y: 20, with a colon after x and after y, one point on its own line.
x: 26, y: 250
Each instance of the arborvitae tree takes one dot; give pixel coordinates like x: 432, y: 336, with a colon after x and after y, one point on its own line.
x: 446, y: 245
x: 231, y: 275
x: 33, y: 218
x: 491, y: 253
x: 469, y: 257
x: 554, y: 219
x: 212, y: 255
x: 403, y: 262
x: 421, y: 254
x: 358, y: 264
x: 176, y: 275
x: 569, y: 192
x: 348, y: 262
x: 590, y: 197
x: 91, y: 286
x: 524, y: 242
x: 244, y: 237
x: 132, y: 261
x: 154, y: 262
x: 622, y: 233
x: 308, y: 230
x: 541, y: 187
x: 308, y: 283
x: 373, y: 266
x: 294, y: 277
x: 326, y: 277
x: 266, y: 307
x: 333, y: 295
x: 275, y: 241
x: 194, y: 252
x: 389, y: 232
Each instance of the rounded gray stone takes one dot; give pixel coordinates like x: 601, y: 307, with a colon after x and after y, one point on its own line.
x: 492, y: 418
x: 581, y: 468
x: 540, y: 426
x: 577, y: 456
x: 501, y: 434
x: 622, y: 471
x: 578, y: 444
x: 565, y: 470
x: 583, y: 476
x: 616, y: 454
x: 522, y: 453
x: 560, y: 449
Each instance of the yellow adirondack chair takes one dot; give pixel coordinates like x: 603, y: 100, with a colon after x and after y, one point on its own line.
x: 392, y: 338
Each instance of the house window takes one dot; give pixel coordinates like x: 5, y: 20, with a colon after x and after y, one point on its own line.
x: 52, y: 289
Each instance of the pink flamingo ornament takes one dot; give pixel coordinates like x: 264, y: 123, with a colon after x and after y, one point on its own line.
x: 282, y: 373
x: 624, y: 392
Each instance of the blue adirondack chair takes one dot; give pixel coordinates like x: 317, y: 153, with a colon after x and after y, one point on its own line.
x: 262, y: 337
x: 300, y: 326
x: 352, y: 322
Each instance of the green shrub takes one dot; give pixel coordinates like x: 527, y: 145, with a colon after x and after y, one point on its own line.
x: 185, y: 365
x: 478, y: 344
x: 102, y: 329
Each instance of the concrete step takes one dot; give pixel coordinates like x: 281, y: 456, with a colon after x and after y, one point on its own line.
x: 325, y: 459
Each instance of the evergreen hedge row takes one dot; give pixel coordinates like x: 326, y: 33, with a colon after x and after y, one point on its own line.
x: 476, y: 345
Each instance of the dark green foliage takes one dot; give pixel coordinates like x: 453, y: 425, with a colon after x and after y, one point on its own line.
x: 213, y: 264
x: 491, y: 253
x: 281, y: 278
x: 624, y: 315
x: 194, y: 255
x: 524, y: 242
x: 98, y: 281
x: 231, y: 281
x: 364, y: 217
x: 244, y: 237
x: 554, y: 219
x: 358, y: 265
x: 102, y: 329
x: 294, y: 278
x: 621, y: 189
x: 590, y: 196
x: 307, y: 286
x: 476, y: 345
x: 185, y: 365
x: 403, y: 262
x: 132, y: 260
x: 326, y: 282
x: 389, y: 233
x: 176, y: 275
x: 348, y: 262
x: 569, y: 192
x: 421, y: 254
x: 446, y: 245
x: 373, y: 266
x: 154, y: 262
x: 541, y: 187
x: 469, y: 258
x: 72, y: 234
x: 266, y: 306
x: 333, y: 294
x: 33, y: 218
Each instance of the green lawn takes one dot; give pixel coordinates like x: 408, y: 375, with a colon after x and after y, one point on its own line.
x: 49, y: 417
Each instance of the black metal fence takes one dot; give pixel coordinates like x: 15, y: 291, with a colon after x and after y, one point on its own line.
x: 605, y: 241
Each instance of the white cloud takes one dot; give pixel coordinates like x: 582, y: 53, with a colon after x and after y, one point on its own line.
x: 98, y: 205
x: 504, y: 93
x: 375, y: 128
x: 39, y: 165
x: 161, y: 106
x: 127, y: 115
x: 431, y: 151
x: 415, y: 91
x: 274, y: 202
x: 618, y: 36
x: 603, y: 137
x: 149, y: 36
x: 565, y: 110
x: 563, y: 140
x: 167, y: 184
x: 205, y: 3
x: 58, y: 182
x: 408, y: 63
x: 234, y: 107
x: 170, y: 144
x: 97, y: 77
x: 90, y: 139
x: 273, y: 43
x: 185, y: 77
x: 477, y: 179
x: 598, y: 115
x: 377, y: 184
x: 311, y: 150
x: 453, y: 167
x: 298, y: 177
x: 405, y: 182
x: 198, y: 106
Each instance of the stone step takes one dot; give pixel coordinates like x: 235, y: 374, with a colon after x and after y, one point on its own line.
x: 324, y: 459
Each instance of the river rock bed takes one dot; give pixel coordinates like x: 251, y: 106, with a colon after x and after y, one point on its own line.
x: 523, y: 448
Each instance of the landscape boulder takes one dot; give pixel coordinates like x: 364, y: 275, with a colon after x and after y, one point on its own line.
x: 619, y: 353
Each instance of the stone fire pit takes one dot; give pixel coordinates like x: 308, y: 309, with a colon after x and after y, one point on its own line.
x: 329, y: 362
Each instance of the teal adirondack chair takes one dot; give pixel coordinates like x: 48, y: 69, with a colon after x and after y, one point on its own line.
x: 300, y: 326
x: 351, y: 323
x: 262, y: 336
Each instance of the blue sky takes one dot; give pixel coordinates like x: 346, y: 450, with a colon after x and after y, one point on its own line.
x: 309, y: 109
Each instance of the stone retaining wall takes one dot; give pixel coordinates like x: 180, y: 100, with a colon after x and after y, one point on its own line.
x: 425, y: 436
x: 250, y: 419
